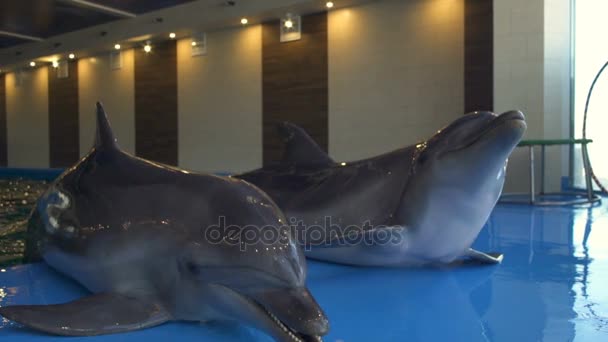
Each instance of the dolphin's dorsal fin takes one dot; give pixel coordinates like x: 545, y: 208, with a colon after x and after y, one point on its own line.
x: 104, y: 137
x: 300, y: 148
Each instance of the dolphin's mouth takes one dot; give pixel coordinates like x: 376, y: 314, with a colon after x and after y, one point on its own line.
x: 291, y: 333
x: 492, y: 125
x: 282, y: 317
x: 288, y: 333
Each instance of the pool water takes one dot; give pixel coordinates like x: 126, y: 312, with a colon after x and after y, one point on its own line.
x: 17, y: 198
x: 552, y: 286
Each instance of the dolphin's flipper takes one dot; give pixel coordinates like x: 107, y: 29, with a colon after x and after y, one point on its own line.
x: 300, y: 147
x: 93, y: 315
x: 484, y: 258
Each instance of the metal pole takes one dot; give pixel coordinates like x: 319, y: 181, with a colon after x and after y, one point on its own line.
x: 587, y: 168
x: 542, y: 169
x: 532, y: 174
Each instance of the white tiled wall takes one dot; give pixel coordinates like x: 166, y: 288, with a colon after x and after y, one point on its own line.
x: 531, y: 56
x: 557, y: 97
x: 396, y: 74
x: 27, y: 120
x: 97, y: 81
x: 518, y: 59
x: 220, y: 102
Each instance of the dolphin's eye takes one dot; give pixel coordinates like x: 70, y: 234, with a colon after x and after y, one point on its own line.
x: 422, y: 158
x: 192, y: 268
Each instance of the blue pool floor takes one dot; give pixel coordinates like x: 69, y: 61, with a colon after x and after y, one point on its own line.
x: 552, y: 286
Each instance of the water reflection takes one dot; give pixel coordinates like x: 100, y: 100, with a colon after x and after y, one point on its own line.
x: 404, y: 304
x: 551, y: 286
x: 542, y: 287
x: 591, y: 241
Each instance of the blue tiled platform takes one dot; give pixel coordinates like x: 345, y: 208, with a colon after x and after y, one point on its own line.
x: 552, y: 286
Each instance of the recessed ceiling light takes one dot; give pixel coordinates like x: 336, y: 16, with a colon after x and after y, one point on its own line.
x: 193, y: 43
x: 288, y: 23
x: 117, y: 46
x: 147, y: 48
x: 244, y: 21
x: 32, y: 64
x: 72, y: 56
x: 329, y: 4
x: 172, y: 35
x: 55, y: 64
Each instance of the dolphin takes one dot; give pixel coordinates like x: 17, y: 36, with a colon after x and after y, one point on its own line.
x: 422, y: 204
x: 136, y: 234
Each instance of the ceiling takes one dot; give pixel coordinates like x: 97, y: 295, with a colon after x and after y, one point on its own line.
x: 43, y: 31
x: 25, y: 21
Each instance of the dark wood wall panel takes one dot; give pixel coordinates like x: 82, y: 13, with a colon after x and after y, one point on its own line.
x: 3, y: 132
x: 63, y: 117
x: 479, y: 55
x: 294, y: 83
x: 156, y: 103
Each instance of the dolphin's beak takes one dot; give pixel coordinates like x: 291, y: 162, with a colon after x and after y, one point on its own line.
x: 296, y: 308
x: 514, y: 118
x: 507, y: 116
x: 288, y: 315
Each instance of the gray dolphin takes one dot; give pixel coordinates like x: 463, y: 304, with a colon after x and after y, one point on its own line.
x: 421, y: 204
x: 136, y: 234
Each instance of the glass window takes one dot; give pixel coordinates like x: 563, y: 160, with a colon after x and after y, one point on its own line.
x: 590, y: 54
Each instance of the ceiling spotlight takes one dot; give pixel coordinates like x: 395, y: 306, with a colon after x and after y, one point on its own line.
x: 244, y: 21
x: 329, y: 4
x: 72, y: 56
x: 193, y: 43
x: 117, y: 46
x: 288, y: 23
x: 55, y: 64
x: 172, y: 35
x: 147, y: 47
x: 32, y: 64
